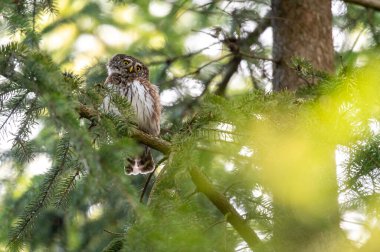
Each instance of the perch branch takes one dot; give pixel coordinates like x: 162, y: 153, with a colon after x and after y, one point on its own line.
x: 221, y: 202
x: 373, y: 4
x: 154, y: 142
x: 199, y: 179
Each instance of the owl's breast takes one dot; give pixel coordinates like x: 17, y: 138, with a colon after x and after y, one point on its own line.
x: 143, y: 103
x: 143, y: 98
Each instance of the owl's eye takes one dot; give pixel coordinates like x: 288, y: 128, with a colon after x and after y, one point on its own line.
x: 127, y: 61
x: 138, y: 68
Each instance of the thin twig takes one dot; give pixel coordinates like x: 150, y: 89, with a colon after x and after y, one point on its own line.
x: 13, y: 110
x: 198, y: 69
x: 184, y: 56
x: 34, y: 16
x: 374, y: 4
x: 114, y: 233
x: 214, y: 224
x: 231, y: 69
x: 248, y: 55
x: 149, y: 178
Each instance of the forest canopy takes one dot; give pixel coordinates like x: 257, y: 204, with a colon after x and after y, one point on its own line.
x: 269, y: 128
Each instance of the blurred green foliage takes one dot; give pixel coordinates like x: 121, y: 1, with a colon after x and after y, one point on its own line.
x: 250, y: 143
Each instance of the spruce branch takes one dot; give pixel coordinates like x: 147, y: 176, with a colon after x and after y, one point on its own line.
x: 22, y: 150
x: 154, y: 142
x: 16, y: 103
x: 204, y: 185
x: 373, y: 4
x: 13, y: 107
x: 198, y: 178
x: 169, y: 61
x: 261, y: 27
x: 236, y: 46
x: 25, y: 222
x: 21, y: 146
x: 232, y: 67
x: 23, y: 15
x: 65, y: 187
x: 198, y: 70
x: 115, y: 245
x: 34, y: 16
x: 8, y: 89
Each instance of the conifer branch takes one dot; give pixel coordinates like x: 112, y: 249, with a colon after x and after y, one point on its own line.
x: 154, y: 142
x: 261, y: 27
x: 198, y: 70
x: 32, y: 211
x: 373, y: 4
x: 221, y: 202
x: 23, y: 150
x: 231, y: 69
x: 66, y: 187
x: 14, y: 109
x: 34, y: 16
x: 198, y: 178
x: 169, y: 61
x: 235, y: 47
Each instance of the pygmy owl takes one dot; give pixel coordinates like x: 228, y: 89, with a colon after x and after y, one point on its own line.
x: 129, y: 77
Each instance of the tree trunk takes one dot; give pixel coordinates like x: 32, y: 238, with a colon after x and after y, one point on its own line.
x: 301, y: 28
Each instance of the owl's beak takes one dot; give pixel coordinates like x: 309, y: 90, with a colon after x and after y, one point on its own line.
x: 131, y: 69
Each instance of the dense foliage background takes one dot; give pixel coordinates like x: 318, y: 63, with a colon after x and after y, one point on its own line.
x: 62, y: 186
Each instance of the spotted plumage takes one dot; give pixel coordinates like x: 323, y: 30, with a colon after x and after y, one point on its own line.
x: 129, y: 77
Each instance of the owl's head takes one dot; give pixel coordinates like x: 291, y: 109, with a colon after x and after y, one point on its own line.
x: 127, y: 66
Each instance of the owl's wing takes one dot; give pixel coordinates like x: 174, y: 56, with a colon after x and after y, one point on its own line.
x: 112, y: 83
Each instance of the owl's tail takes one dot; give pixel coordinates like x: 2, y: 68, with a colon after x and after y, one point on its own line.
x: 143, y: 163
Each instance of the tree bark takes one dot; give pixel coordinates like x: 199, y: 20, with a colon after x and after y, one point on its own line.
x: 301, y: 28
